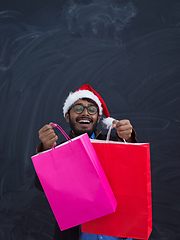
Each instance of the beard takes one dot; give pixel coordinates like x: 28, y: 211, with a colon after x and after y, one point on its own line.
x: 78, y: 132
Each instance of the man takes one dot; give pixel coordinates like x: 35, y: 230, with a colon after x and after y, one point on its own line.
x: 82, y: 110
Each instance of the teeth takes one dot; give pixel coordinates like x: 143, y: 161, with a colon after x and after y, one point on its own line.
x: 84, y: 121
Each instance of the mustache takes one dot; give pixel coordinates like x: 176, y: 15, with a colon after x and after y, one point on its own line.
x: 84, y: 118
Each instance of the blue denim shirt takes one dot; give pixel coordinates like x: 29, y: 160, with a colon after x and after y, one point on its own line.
x: 89, y: 236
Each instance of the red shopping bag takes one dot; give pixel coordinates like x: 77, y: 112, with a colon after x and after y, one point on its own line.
x: 127, y: 167
x: 74, y: 182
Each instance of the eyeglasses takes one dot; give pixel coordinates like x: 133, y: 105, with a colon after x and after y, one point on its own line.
x: 78, y: 108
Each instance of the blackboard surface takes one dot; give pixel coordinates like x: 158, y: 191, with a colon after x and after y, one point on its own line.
x: 129, y: 51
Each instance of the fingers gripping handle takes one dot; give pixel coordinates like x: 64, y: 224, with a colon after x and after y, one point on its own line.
x: 62, y: 131
x: 109, y: 133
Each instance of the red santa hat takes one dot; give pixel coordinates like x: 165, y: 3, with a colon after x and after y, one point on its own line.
x: 86, y: 91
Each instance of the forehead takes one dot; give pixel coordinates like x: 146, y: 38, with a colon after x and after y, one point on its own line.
x: 83, y: 102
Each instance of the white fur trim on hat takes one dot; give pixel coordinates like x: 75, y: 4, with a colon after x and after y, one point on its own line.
x: 74, y: 96
x: 107, y: 122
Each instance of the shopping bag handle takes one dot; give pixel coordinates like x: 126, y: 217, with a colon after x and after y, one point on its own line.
x: 109, y: 133
x: 62, y: 131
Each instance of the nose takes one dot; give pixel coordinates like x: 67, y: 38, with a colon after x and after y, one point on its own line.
x: 85, y: 111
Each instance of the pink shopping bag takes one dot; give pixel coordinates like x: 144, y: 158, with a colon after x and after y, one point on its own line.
x: 74, y: 182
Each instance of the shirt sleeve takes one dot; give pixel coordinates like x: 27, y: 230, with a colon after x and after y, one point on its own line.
x: 133, y: 136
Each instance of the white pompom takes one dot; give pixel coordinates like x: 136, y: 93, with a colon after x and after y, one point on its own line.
x: 107, y: 122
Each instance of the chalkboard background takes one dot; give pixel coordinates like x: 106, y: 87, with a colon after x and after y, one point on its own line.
x: 129, y: 51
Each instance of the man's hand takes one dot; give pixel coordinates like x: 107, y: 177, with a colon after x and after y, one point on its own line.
x: 124, y: 129
x: 47, y: 136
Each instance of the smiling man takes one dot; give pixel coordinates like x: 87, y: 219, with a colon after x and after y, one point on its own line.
x: 83, y: 110
x: 83, y: 117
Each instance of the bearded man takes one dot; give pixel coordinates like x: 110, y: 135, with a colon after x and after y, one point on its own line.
x: 83, y: 110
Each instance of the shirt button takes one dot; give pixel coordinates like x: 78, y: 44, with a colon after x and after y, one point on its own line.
x: 101, y: 237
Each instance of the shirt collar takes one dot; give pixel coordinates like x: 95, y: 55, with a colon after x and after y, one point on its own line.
x: 93, y: 136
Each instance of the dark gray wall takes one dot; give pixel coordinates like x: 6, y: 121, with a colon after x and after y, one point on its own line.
x: 129, y: 51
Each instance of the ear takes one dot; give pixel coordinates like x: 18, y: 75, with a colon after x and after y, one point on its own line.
x: 98, y: 118
x: 67, y: 117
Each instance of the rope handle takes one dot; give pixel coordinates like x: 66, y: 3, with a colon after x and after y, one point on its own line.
x: 109, y: 133
x: 62, y: 131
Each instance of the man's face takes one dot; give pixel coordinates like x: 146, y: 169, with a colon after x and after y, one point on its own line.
x: 83, y: 122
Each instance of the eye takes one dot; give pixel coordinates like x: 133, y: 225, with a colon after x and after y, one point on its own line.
x: 92, y: 109
x: 78, y: 108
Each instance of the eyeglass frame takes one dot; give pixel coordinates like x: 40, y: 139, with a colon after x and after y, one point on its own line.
x: 86, y: 108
